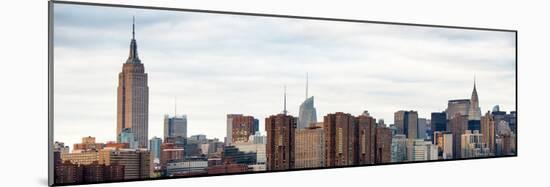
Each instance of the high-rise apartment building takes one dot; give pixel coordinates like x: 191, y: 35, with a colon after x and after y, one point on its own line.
x: 382, y: 150
x: 280, y: 145
x: 340, y: 139
x: 367, y: 126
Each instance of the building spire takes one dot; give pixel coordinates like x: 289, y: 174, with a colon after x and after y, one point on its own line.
x: 133, y: 56
x: 175, y: 106
x: 474, y: 81
x: 307, y: 81
x: 284, y: 110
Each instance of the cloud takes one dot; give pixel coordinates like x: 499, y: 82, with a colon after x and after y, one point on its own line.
x: 220, y: 64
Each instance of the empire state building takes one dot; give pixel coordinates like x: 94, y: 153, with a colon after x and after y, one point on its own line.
x: 133, y: 97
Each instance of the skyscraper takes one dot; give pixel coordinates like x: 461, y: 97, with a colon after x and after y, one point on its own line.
x: 280, y: 146
x: 458, y: 124
x: 407, y: 123
x: 133, y: 96
x: 175, y: 126
x: 308, y: 113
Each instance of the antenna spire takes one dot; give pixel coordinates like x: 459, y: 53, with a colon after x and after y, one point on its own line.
x: 133, y: 56
x: 133, y: 27
x: 474, y: 80
x: 284, y: 111
x: 175, y: 106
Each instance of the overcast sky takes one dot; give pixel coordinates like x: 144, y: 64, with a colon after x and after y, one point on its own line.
x: 220, y: 64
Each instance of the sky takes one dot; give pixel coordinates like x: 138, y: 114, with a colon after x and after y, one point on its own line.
x: 212, y: 65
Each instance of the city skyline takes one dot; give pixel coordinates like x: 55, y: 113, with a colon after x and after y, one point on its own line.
x: 200, y: 107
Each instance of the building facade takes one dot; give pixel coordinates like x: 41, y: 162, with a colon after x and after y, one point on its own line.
x: 310, y: 147
x: 438, y: 121
x: 383, y: 145
x: 81, y: 157
x: 88, y: 143
x: 457, y: 106
x: 170, y: 152
x: 472, y: 146
x: 137, y: 163
x: 488, y: 131
x: 399, y: 148
x: 128, y: 137
x: 242, y: 127
x: 458, y: 124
